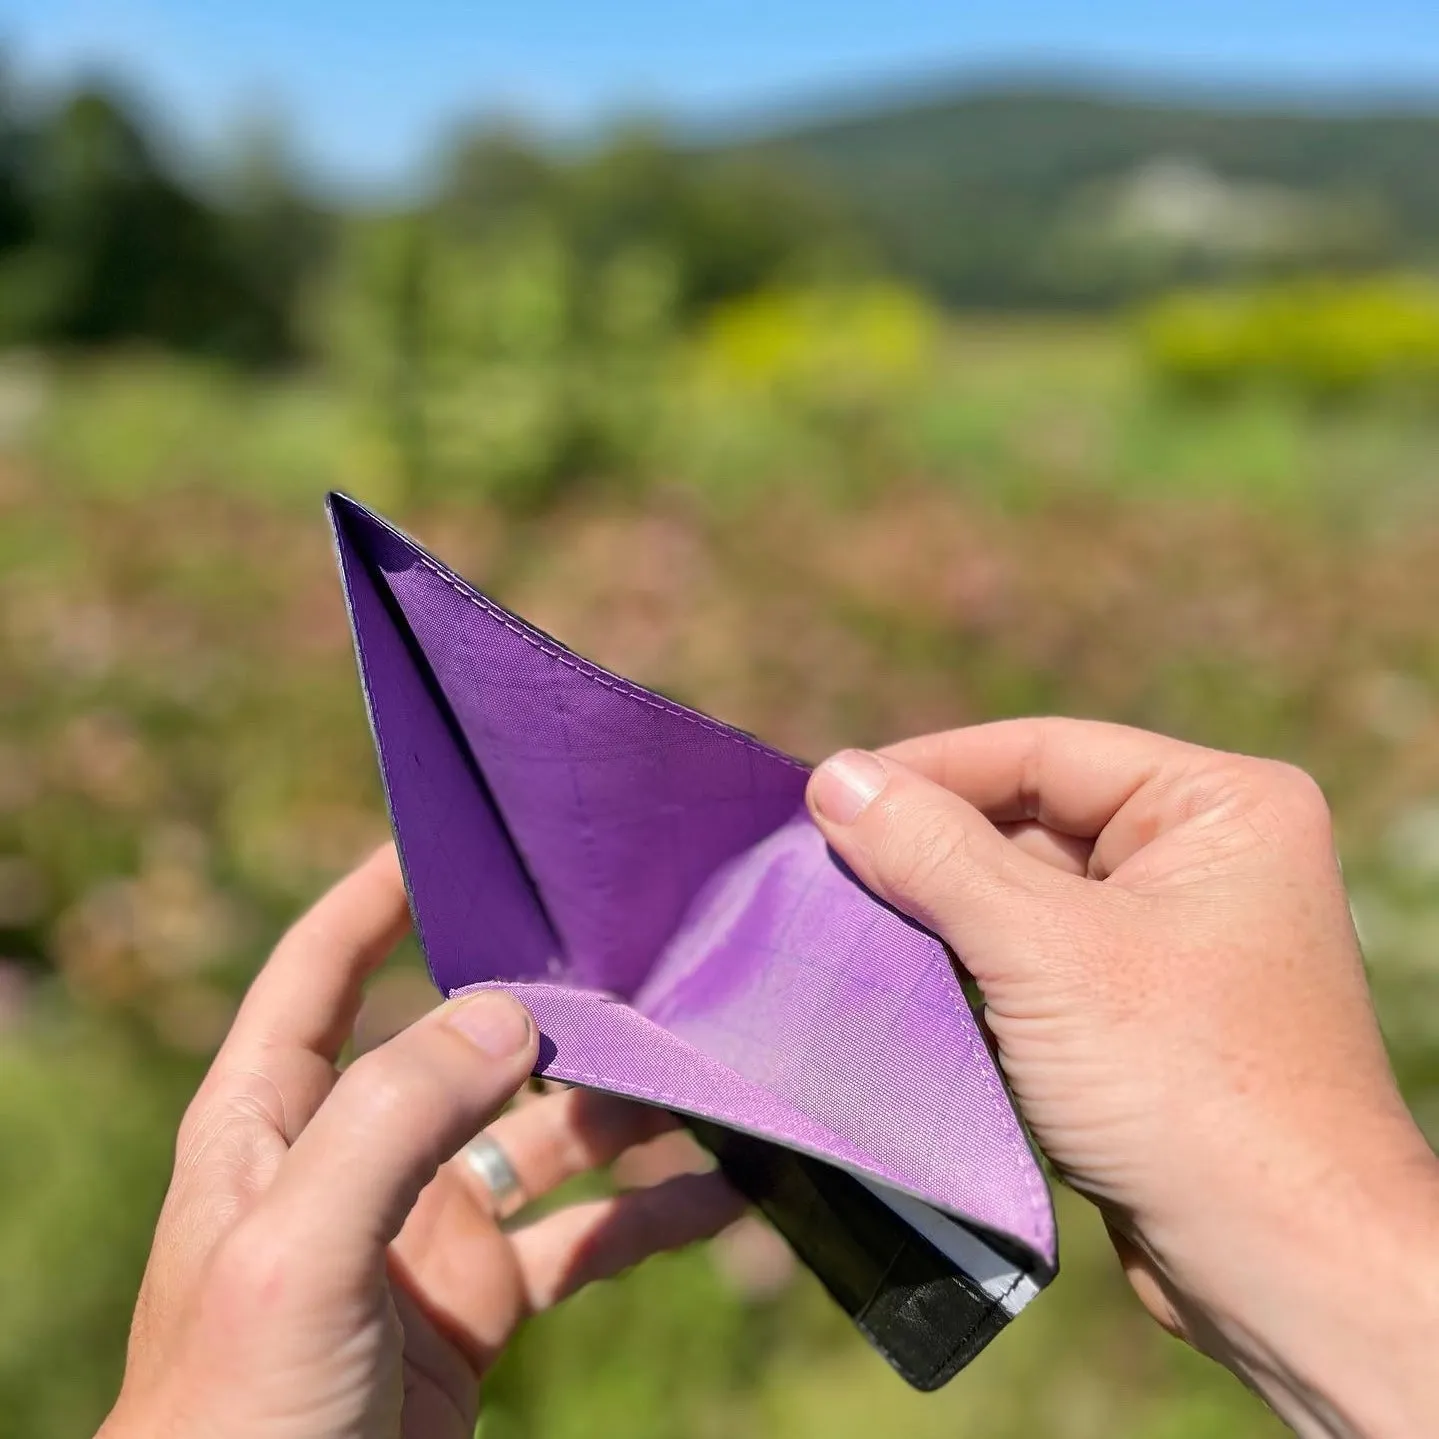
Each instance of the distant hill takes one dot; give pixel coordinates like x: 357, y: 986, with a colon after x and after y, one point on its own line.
x: 1051, y: 196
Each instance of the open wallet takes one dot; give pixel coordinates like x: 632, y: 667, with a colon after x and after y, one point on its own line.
x: 646, y: 880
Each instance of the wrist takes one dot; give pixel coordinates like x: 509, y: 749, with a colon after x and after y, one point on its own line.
x: 1316, y: 1279
x: 124, y: 1422
x: 116, y: 1427
x: 144, y: 1416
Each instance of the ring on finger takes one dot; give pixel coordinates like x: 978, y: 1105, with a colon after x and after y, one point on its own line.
x: 486, y: 1159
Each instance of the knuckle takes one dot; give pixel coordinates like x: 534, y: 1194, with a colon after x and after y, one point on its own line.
x: 204, y: 1117
x: 919, y: 855
x: 228, y: 1102
x: 1281, y: 802
x: 386, y: 1088
x: 248, y: 1264
x: 195, y: 1123
x: 1298, y: 792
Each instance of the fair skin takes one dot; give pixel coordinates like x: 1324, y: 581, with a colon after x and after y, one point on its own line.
x: 1172, y: 980
x: 322, y: 1267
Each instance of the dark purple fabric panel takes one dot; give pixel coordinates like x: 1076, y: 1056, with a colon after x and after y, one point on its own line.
x: 621, y: 803
x: 475, y: 911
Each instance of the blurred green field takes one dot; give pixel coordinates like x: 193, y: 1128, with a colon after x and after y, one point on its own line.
x: 829, y: 516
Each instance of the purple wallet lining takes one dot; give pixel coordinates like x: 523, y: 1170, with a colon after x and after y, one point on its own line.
x: 647, y: 881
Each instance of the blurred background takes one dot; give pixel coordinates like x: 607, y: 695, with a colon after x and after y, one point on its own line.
x: 844, y: 370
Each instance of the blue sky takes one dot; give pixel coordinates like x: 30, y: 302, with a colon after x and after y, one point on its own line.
x: 366, y: 85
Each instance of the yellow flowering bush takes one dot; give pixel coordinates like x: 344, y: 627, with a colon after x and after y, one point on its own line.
x: 1325, y: 337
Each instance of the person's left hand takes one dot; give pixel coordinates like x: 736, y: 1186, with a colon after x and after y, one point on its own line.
x: 323, y: 1266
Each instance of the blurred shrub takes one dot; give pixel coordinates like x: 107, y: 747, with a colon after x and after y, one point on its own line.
x: 101, y: 244
x: 498, y: 364
x: 515, y: 335
x: 1326, y: 338
x: 847, y: 343
x: 799, y: 384
x: 728, y: 223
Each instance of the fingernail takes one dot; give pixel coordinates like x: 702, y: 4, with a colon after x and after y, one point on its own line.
x: 493, y: 1022
x: 846, y: 784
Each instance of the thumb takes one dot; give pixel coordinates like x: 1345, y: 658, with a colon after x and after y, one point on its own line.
x: 396, y: 1114
x: 930, y: 854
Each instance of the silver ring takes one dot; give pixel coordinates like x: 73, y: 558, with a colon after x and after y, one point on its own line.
x: 489, y: 1163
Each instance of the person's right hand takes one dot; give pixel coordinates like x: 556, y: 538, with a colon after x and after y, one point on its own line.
x: 1172, y: 978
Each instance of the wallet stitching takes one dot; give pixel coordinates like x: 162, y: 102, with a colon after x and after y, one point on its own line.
x: 669, y: 1100
x: 609, y: 682
x: 985, y: 1065
x: 959, y: 1345
x: 996, y: 1306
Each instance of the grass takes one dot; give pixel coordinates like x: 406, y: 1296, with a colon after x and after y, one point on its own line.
x: 1027, y: 524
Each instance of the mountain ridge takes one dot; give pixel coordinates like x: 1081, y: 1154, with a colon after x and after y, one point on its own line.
x: 998, y: 194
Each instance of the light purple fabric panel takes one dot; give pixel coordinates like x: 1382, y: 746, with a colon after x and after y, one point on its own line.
x: 647, y: 880
x: 791, y: 975
x: 446, y: 827
x: 966, y: 1165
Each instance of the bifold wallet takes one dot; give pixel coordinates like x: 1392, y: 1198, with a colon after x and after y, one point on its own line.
x: 647, y: 881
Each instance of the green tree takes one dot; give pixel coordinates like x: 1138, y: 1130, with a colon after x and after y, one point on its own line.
x: 111, y: 247
x: 14, y: 167
x: 278, y: 239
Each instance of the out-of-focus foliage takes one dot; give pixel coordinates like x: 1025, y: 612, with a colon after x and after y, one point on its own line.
x: 727, y: 223
x: 512, y: 334
x: 87, y: 1124
x: 102, y: 240
x: 708, y: 421
x: 498, y: 360
x: 102, y: 243
x: 14, y: 158
x: 1327, y: 339
x: 1029, y: 525
x: 992, y: 199
x: 815, y: 342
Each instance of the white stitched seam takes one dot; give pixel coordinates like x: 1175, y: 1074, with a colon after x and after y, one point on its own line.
x: 1037, y: 1209
x: 609, y: 682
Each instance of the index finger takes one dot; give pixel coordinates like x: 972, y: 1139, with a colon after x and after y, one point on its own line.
x: 1117, y: 786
